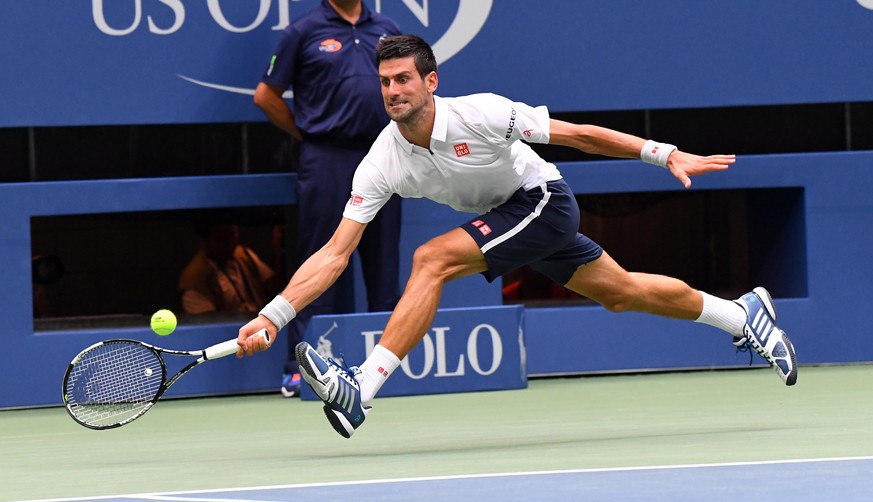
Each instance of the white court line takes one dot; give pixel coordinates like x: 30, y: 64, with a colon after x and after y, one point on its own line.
x: 176, y: 496
x: 187, y: 499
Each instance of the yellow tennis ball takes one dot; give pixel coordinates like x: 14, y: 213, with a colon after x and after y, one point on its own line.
x: 163, y: 322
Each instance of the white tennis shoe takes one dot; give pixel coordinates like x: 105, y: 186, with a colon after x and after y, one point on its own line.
x: 761, y: 334
x: 337, y: 386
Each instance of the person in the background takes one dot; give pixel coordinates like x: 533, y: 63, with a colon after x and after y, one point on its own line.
x: 224, y: 276
x: 327, y: 57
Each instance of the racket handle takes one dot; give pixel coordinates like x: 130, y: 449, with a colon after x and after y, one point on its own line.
x: 229, y: 347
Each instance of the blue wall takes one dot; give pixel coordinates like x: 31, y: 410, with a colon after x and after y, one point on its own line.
x: 829, y: 325
x: 81, y: 68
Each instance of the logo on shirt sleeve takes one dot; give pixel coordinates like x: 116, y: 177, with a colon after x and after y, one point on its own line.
x: 511, y: 123
x: 462, y: 149
x: 356, y: 200
x: 330, y: 45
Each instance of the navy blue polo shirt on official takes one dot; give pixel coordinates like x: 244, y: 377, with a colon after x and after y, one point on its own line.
x: 330, y: 64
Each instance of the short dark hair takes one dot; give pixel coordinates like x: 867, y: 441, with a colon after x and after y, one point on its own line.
x: 403, y: 46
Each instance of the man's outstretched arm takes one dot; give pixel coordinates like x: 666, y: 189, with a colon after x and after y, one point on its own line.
x: 310, y: 281
x: 602, y: 141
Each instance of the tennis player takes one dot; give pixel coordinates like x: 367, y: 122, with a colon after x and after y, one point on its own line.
x: 470, y: 153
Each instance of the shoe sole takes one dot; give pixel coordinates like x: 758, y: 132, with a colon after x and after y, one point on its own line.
x: 791, y: 379
x: 767, y: 302
x: 338, y: 422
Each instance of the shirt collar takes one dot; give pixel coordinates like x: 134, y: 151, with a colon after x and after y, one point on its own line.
x: 440, y: 119
x: 440, y: 125
x: 332, y: 14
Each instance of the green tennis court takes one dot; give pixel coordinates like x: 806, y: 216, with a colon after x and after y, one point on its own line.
x: 565, y: 424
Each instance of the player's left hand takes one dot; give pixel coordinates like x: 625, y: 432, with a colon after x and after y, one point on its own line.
x: 684, y: 165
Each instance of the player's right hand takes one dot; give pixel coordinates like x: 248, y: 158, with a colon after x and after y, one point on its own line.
x: 249, y: 344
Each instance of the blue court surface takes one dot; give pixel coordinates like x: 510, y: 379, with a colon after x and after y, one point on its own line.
x: 814, y: 479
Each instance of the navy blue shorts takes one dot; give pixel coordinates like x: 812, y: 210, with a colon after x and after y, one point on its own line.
x: 538, y: 227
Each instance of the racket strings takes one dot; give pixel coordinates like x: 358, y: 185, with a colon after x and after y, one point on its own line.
x: 113, y: 383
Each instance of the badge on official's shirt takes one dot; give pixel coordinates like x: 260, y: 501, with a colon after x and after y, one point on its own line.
x: 330, y: 45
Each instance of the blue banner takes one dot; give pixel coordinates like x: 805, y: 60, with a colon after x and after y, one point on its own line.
x: 181, y: 61
x: 471, y: 349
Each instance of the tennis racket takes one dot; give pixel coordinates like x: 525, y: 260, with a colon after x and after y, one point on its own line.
x: 114, y: 382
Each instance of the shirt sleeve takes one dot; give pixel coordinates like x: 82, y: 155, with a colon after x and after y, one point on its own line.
x: 369, y: 193
x: 532, y: 124
x: 504, y: 121
x: 283, y: 64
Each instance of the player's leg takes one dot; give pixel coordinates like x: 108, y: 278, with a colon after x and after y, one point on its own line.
x: 750, y: 319
x: 347, y: 392
x: 446, y: 257
x: 531, y: 225
x: 606, y: 282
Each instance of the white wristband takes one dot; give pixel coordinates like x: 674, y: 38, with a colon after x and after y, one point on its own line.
x: 279, y: 312
x: 656, y: 153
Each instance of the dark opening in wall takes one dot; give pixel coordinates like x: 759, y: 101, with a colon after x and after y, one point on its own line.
x: 144, y: 151
x: 116, y: 269
x: 724, y: 242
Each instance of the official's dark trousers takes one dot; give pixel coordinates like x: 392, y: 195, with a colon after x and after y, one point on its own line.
x: 324, y: 183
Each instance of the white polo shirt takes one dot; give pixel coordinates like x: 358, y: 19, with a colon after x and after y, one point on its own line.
x: 476, y: 159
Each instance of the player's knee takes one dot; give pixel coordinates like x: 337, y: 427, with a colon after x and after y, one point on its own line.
x: 430, y: 259
x: 427, y: 256
x: 618, y: 302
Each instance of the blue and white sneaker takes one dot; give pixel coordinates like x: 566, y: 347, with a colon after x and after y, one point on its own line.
x: 337, y: 386
x: 761, y: 334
